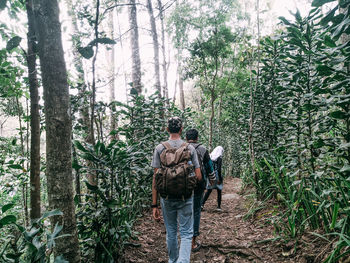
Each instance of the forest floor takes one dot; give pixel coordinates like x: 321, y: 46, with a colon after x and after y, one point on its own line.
x: 226, y: 236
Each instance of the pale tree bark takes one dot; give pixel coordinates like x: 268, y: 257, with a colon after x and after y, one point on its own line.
x: 135, y: 49
x: 120, y: 37
x: 179, y: 70
x: 164, y: 64
x: 180, y: 82
x: 252, y: 102
x: 211, y: 119
x: 35, y: 201
x: 24, y: 185
x: 155, y: 47
x: 93, y: 85
x: 78, y: 64
x: 82, y: 90
x: 58, y: 126
x: 111, y: 73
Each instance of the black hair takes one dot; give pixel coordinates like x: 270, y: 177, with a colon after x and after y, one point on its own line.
x: 174, y: 125
x: 192, y: 135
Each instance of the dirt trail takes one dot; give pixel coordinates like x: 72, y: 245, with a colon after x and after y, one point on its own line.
x: 225, y: 235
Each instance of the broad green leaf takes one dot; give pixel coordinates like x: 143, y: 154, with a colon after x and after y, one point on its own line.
x: 13, y: 43
x: 32, y: 232
x: 285, y: 21
x: 80, y: 146
x: 7, y: 220
x: 55, y: 212
x: 36, y: 242
x: 16, y: 166
x: 335, y: 215
x: 324, y: 70
x: 86, y: 52
x: 329, y: 42
x: 318, y: 3
x: 345, y: 168
x: 340, y: 115
x: 7, y: 207
x: 329, y: 17
x: 76, y: 165
x: 103, y: 40
x: 58, y: 228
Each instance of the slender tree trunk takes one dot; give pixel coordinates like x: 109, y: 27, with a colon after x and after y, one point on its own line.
x: 82, y: 91
x: 181, y: 84
x: 252, y: 104
x: 111, y: 72
x: 155, y: 47
x: 120, y: 37
x: 58, y: 126
x: 251, y: 124
x: 135, y: 49
x: 211, y: 119
x: 175, y: 89
x: 35, y: 202
x: 24, y: 187
x: 78, y: 64
x: 93, y: 97
x: 164, y: 64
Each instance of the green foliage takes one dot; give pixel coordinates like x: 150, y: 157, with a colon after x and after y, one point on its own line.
x: 302, y: 126
x: 13, y: 43
x: 34, y: 244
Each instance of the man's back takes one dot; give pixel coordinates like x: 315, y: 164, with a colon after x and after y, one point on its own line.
x: 175, y: 144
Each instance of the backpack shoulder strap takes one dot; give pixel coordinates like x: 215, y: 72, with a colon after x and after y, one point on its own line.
x: 184, y: 145
x: 197, y: 146
x: 166, y: 145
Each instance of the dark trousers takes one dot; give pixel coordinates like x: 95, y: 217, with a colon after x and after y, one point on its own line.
x: 197, y: 199
x: 206, y: 196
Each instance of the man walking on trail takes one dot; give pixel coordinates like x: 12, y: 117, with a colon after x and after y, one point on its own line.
x: 175, y: 159
x: 207, y: 171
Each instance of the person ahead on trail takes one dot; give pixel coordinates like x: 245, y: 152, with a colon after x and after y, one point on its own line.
x: 216, y: 157
x: 207, y: 171
x: 176, y: 172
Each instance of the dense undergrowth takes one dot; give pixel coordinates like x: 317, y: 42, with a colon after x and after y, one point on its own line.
x: 298, y: 103
x: 302, y: 126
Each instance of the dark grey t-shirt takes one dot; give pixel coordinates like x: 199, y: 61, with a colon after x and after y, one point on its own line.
x: 176, y: 144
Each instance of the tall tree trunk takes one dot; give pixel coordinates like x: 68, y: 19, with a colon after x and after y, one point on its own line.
x: 252, y: 106
x: 164, y: 64
x: 155, y: 46
x: 120, y: 38
x: 135, y: 49
x: 24, y: 185
x: 78, y: 64
x: 211, y: 119
x: 35, y: 202
x: 111, y: 72
x: 82, y: 90
x: 181, y: 83
x: 58, y: 126
x: 93, y: 95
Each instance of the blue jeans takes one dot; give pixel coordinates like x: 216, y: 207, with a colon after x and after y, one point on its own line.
x: 197, y: 201
x: 178, y: 211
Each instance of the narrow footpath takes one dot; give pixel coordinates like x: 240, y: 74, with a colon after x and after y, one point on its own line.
x: 225, y: 235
